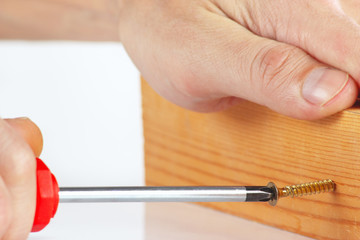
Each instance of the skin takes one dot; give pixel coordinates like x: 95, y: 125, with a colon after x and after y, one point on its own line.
x: 20, y: 142
x: 224, y: 51
x: 204, y: 55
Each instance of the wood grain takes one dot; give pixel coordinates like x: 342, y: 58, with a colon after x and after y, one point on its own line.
x: 251, y: 145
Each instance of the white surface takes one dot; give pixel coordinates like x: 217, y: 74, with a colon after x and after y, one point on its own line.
x: 163, y: 221
x: 180, y: 221
x: 95, y: 222
x: 86, y: 99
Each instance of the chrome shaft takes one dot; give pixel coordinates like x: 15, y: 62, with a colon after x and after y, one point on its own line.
x: 165, y: 194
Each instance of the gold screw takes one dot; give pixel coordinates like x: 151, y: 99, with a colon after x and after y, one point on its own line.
x: 301, y: 189
x: 307, y: 188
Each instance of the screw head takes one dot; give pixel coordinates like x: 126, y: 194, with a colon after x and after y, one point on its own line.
x: 274, y: 199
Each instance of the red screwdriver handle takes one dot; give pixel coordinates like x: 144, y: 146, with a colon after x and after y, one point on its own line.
x: 47, y: 197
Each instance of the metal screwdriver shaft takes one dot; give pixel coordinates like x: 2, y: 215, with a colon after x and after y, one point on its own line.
x: 166, y: 194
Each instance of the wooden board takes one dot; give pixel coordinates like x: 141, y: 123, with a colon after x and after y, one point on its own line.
x: 251, y: 145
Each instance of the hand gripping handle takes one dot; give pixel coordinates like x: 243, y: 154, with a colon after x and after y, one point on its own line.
x: 47, y: 197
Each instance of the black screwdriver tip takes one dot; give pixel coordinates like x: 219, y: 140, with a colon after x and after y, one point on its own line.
x: 259, y: 194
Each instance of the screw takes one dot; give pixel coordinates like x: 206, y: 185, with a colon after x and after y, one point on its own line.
x: 300, y: 190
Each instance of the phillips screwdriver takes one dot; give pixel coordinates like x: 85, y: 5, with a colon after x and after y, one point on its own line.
x: 49, y: 194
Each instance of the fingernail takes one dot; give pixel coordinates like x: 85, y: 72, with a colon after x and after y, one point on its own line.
x: 323, y: 84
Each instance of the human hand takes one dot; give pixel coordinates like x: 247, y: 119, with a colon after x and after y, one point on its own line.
x: 20, y: 143
x: 351, y: 8
x: 206, y: 55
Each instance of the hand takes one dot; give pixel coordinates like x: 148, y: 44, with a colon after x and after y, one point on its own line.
x: 300, y: 58
x: 20, y: 143
x: 352, y: 8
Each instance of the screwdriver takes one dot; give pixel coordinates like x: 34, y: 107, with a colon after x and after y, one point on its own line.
x: 49, y: 194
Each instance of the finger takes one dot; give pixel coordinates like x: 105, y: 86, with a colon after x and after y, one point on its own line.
x: 17, y: 168
x: 295, y: 84
x: 5, y: 208
x: 320, y: 28
x: 271, y: 73
x: 29, y: 131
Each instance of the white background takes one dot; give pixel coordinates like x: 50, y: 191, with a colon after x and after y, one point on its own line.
x: 86, y: 99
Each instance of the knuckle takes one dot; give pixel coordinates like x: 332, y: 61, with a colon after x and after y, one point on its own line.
x: 273, y: 66
x: 22, y: 163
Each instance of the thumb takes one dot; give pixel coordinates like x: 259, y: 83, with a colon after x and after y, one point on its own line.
x: 280, y: 76
x: 29, y: 131
x: 289, y: 81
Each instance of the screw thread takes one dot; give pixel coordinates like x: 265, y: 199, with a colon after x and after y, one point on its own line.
x: 307, y: 188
